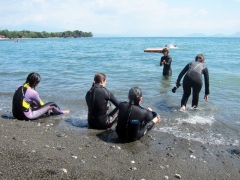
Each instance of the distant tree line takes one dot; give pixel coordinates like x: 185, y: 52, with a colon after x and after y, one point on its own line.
x: 44, y: 34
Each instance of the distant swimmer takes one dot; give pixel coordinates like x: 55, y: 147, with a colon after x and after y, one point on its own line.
x: 166, y: 61
x: 193, y: 80
x: 26, y: 103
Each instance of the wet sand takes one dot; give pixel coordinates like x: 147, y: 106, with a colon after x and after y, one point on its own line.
x: 56, y: 148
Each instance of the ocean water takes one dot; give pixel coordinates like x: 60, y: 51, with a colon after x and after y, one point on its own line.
x: 67, y: 68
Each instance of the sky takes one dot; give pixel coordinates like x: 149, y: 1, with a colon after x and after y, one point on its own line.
x: 134, y: 18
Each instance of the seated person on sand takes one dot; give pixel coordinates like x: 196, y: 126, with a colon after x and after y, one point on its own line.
x: 26, y: 103
x: 97, y: 99
x: 134, y: 120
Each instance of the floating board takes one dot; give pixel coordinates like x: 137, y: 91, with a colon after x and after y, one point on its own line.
x: 157, y: 50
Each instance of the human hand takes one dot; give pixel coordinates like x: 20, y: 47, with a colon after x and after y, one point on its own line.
x: 150, y: 109
x: 206, y: 98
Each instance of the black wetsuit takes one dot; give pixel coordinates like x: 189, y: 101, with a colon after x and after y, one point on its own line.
x: 97, y: 100
x: 167, y: 70
x: 133, y: 121
x: 193, y: 79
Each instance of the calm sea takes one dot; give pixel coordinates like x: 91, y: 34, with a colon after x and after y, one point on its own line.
x: 67, y: 67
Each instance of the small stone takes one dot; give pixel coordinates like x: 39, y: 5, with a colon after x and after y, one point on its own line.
x: 46, y: 146
x: 191, y: 151
x: 133, y: 162
x: 95, y: 157
x: 75, y: 157
x: 51, y: 124
x: 192, y: 156
x: 166, y: 177
x: 64, y: 170
x: 162, y: 167
x: 60, y: 148
x: 118, y: 147
x: 113, y: 146
x: 83, y: 161
x: 133, y: 168
x: 24, y: 143
x: 33, y: 151
x: 177, y: 176
x: 152, y: 138
x: 38, y: 124
x: 60, y: 135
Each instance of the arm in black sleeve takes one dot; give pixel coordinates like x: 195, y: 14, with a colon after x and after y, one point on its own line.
x: 168, y: 61
x: 149, y: 115
x: 161, y: 61
x: 113, y: 100
x: 206, y: 80
x: 182, y: 73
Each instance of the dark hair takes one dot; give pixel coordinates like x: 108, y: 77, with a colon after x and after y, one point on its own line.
x: 33, y: 78
x: 99, y: 77
x: 134, y: 95
x: 200, y: 58
x: 165, y: 50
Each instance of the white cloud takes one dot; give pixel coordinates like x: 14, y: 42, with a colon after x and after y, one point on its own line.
x: 118, y: 17
x: 203, y: 11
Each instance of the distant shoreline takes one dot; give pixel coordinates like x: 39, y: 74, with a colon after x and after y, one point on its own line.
x: 2, y: 39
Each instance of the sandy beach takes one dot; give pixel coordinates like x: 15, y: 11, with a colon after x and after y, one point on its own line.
x: 54, y: 148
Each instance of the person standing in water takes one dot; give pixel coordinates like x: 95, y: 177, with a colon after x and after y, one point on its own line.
x: 166, y: 61
x: 193, y: 80
x: 97, y: 99
x: 26, y: 103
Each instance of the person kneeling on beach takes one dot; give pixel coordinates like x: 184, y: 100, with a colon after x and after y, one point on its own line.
x: 26, y: 103
x: 134, y: 120
x: 97, y: 99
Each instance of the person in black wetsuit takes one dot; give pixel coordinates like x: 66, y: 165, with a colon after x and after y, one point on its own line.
x: 97, y: 99
x: 133, y: 120
x: 193, y: 80
x: 166, y: 61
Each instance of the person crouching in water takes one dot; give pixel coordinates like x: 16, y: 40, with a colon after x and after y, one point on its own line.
x: 26, y: 103
x: 134, y: 120
x: 97, y: 99
x: 166, y: 61
x: 193, y: 80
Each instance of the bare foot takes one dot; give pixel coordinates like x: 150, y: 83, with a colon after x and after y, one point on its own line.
x: 183, y: 108
x: 66, y: 111
x: 156, y: 119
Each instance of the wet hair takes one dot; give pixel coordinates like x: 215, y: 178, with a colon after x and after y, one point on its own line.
x: 33, y: 78
x: 134, y: 95
x: 165, y: 50
x: 99, y: 77
x: 200, y: 58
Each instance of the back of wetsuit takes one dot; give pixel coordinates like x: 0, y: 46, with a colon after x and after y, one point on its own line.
x: 17, y: 108
x: 195, y: 71
x: 131, y: 119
